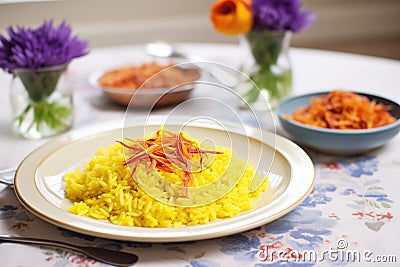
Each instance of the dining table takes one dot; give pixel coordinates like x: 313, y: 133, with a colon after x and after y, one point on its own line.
x: 350, y: 217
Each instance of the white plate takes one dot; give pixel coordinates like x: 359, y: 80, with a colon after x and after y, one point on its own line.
x: 39, y: 187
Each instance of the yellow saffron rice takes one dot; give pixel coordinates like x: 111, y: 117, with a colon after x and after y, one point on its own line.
x: 104, y: 189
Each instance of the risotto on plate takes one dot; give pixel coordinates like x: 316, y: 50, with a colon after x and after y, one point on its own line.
x: 164, y: 180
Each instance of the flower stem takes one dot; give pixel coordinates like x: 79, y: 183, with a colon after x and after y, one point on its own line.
x: 270, y: 72
x: 21, y: 117
x: 40, y: 84
x: 54, y: 115
x: 45, y: 110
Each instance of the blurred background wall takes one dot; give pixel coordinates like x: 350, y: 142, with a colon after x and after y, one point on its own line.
x: 370, y: 27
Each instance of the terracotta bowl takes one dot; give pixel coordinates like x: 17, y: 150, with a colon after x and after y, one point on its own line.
x: 146, y: 96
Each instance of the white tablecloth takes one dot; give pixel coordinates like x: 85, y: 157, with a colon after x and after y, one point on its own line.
x: 354, y: 204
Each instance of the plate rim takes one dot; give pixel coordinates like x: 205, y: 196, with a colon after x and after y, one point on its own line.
x: 187, y: 233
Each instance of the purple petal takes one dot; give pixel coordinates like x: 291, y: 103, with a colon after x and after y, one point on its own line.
x: 277, y: 15
x: 44, y: 46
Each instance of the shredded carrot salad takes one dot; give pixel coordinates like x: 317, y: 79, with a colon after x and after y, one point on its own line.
x: 343, y: 110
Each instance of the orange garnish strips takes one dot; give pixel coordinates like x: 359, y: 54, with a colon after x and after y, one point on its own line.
x: 343, y: 110
x: 168, y: 152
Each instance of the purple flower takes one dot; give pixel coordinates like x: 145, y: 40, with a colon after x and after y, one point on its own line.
x: 45, y: 46
x: 278, y: 15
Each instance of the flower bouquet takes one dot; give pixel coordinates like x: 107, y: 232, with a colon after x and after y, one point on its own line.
x: 265, y: 28
x: 38, y: 59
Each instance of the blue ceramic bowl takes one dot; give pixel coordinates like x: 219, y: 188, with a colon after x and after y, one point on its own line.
x: 332, y: 141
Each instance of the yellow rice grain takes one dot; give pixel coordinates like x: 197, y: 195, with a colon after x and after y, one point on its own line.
x: 105, y: 190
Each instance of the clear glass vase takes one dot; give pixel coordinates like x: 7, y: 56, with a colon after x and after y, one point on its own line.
x: 268, y: 67
x: 41, y: 102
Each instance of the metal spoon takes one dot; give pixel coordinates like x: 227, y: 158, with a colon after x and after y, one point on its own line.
x: 117, y: 258
x: 166, y: 50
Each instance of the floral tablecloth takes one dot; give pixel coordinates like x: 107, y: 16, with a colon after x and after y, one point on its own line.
x: 349, y: 218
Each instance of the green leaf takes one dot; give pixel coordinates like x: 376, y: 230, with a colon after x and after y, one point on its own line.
x: 375, y: 188
x: 360, y: 202
x: 373, y: 203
